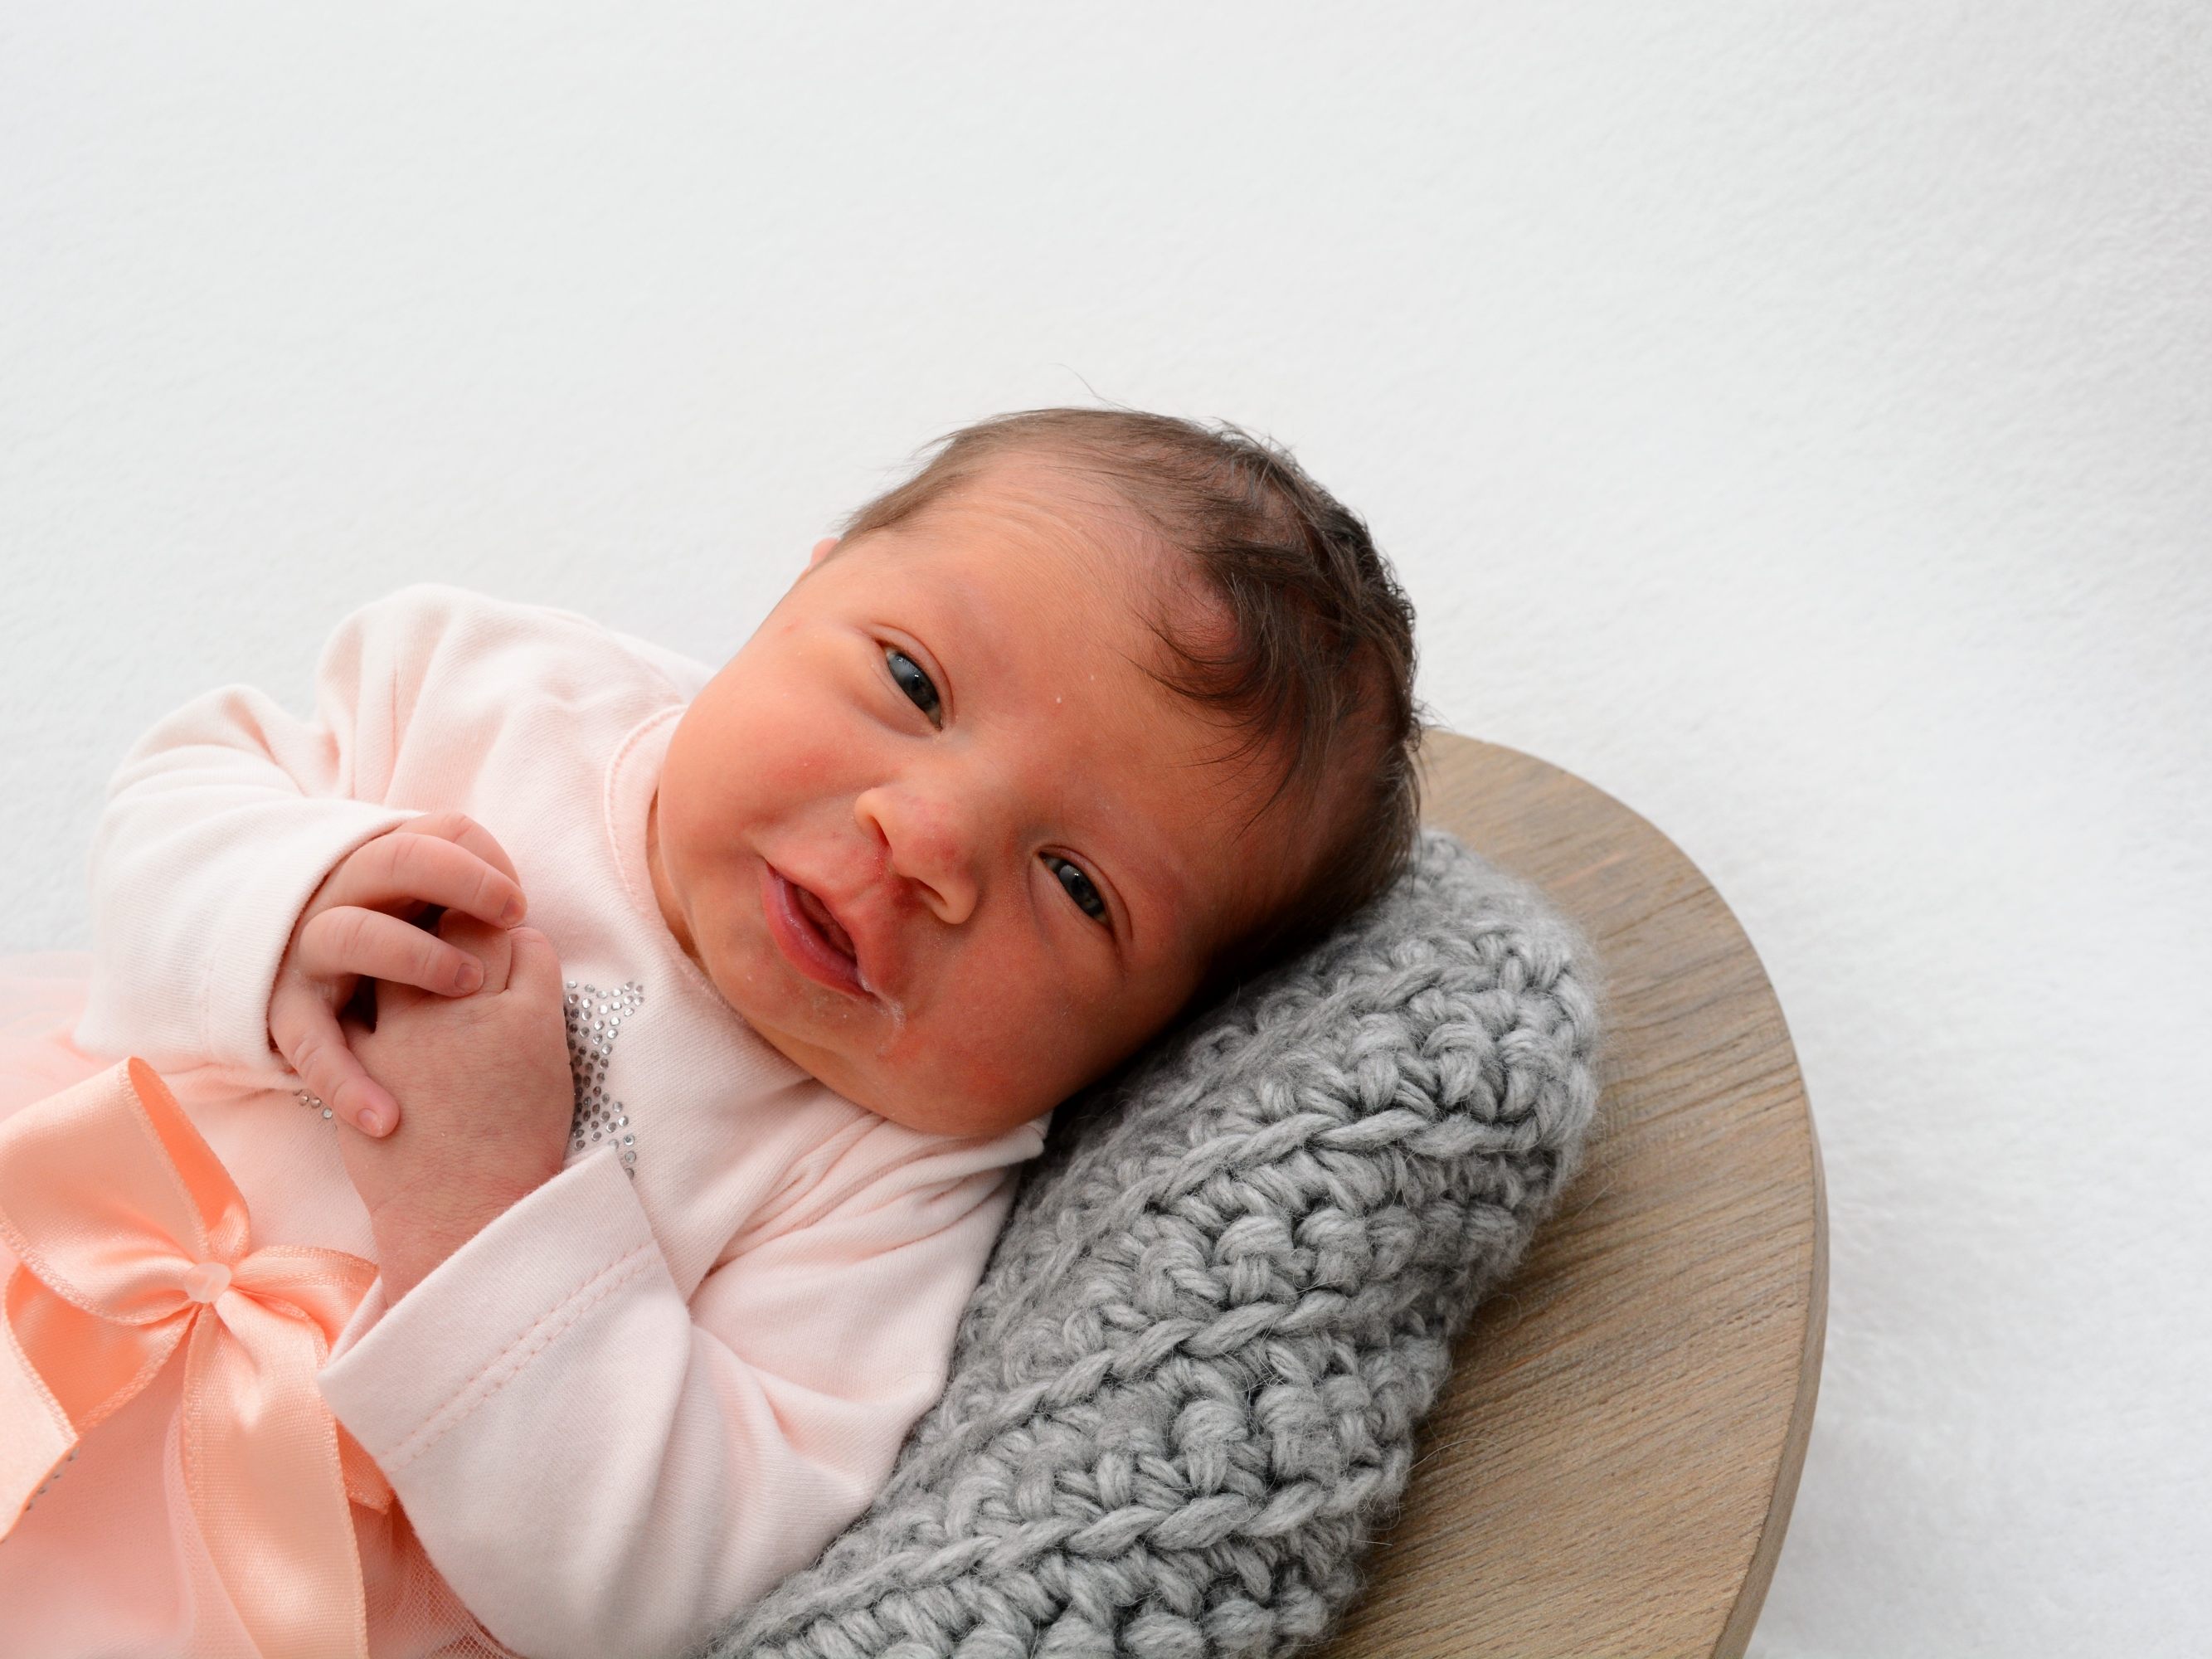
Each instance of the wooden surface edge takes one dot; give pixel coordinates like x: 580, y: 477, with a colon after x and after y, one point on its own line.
x: 1810, y: 1300
x: 1743, y: 1617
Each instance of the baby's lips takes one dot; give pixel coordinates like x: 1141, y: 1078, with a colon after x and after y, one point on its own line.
x: 875, y: 963
x: 868, y: 944
x: 825, y: 920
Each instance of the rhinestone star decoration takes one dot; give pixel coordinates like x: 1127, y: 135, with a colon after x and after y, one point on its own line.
x: 594, y: 1019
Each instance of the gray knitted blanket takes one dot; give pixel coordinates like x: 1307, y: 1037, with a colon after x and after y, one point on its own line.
x: 1185, y: 1392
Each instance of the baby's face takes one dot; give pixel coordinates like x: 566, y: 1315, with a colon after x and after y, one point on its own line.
x: 936, y: 835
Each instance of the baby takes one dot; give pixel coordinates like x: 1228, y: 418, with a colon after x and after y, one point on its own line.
x: 674, y: 1192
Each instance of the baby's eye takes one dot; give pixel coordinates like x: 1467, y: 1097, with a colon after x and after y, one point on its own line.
x: 912, y: 681
x: 1078, y: 885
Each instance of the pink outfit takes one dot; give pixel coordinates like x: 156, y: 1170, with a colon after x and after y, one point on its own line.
x: 650, y: 1390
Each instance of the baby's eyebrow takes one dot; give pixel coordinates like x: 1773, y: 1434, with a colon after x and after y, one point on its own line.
x: 1154, y: 875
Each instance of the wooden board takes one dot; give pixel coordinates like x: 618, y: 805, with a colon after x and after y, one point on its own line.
x: 1612, y: 1467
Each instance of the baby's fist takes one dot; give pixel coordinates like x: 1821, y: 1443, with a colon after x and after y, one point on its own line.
x: 485, y: 1093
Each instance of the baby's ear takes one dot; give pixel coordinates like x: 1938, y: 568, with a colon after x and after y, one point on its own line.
x: 821, y: 551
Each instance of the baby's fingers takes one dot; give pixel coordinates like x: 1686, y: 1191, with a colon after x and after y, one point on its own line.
x: 534, y: 968
x: 443, y: 859
x: 306, y: 1033
x: 370, y: 944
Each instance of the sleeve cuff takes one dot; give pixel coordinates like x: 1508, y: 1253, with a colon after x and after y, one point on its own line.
x: 401, y: 1373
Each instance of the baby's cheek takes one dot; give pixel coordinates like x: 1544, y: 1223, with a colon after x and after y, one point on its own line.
x: 1027, y: 1055
x: 780, y: 775
x: 979, y: 1061
x: 962, y: 1076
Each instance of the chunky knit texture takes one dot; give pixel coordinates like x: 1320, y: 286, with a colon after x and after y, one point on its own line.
x: 1185, y: 1392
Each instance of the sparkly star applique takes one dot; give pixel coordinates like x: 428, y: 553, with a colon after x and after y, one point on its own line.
x: 594, y: 1019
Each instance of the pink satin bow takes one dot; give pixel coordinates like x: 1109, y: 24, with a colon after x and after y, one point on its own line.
x: 132, y: 1240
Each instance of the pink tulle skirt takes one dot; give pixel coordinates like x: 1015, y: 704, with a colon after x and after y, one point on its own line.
x: 41, y: 996
x: 111, y: 1560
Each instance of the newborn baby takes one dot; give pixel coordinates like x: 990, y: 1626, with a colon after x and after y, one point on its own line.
x: 675, y: 1192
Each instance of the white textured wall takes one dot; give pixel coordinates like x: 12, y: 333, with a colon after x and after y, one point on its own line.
x: 1794, y: 420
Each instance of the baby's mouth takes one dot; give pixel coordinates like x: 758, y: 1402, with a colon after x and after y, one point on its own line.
x: 819, y: 914
x: 810, y: 936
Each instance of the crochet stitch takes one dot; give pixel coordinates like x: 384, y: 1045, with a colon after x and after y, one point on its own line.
x: 1184, y: 1395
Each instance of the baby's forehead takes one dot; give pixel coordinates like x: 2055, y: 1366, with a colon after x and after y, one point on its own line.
x: 1081, y: 543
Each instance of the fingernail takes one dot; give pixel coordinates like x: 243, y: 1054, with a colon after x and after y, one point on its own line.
x: 512, y: 914
x: 371, y: 1121
x: 468, y: 976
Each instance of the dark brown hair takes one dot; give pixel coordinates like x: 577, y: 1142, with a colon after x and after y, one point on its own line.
x: 1319, y: 662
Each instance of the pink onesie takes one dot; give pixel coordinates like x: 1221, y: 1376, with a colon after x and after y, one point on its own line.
x: 662, y: 1381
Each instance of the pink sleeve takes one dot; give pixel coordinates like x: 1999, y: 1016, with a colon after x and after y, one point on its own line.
x: 223, y: 819
x: 596, y: 1468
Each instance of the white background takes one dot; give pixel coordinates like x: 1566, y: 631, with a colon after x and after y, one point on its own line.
x: 1795, y: 420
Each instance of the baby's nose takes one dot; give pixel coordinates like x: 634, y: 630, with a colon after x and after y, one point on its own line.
x: 928, y: 842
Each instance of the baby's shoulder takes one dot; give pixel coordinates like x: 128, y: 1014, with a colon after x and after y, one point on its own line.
x: 453, y: 629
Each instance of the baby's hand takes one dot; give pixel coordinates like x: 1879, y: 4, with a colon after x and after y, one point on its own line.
x: 484, y: 1086
x: 359, y: 925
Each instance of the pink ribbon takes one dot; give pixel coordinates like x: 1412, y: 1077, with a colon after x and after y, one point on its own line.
x: 133, y: 1241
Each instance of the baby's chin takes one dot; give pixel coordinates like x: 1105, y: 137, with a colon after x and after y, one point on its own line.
x: 945, y: 1111
x: 988, y: 1120
x: 898, y: 1088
